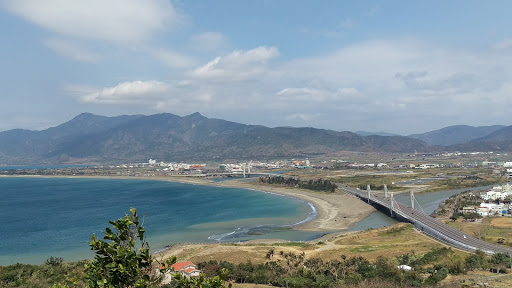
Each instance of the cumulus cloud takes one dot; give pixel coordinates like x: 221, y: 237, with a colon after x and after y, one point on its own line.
x: 128, y: 93
x: 152, y: 94
x: 123, y: 21
x: 71, y: 50
x: 238, y: 65
x: 373, y: 85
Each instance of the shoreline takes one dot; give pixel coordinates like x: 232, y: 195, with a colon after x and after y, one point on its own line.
x: 335, y: 212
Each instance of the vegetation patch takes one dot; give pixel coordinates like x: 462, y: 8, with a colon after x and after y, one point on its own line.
x: 295, y: 244
x: 365, y: 249
x: 315, y: 185
x: 395, y: 230
x: 502, y: 222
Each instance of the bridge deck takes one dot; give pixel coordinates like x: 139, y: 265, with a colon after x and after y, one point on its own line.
x: 430, y: 225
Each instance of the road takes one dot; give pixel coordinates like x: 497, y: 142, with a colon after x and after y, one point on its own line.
x: 429, y: 225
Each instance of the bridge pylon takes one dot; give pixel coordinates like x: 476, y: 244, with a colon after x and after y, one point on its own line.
x: 412, y: 199
x: 385, y: 191
x: 369, y: 192
x: 391, y: 204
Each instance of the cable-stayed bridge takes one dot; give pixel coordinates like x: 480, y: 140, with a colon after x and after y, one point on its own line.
x: 428, y: 225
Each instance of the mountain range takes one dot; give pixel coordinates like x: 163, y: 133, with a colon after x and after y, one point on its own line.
x: 457, y: 134
x: 90, y: 138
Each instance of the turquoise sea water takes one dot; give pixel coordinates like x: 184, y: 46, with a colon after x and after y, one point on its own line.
x: 43, y: 217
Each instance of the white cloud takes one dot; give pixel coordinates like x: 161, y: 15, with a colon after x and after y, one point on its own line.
x: 71, y: 50
x: 128, y: 93
x: 122, y: 21
x: 237, y: 66
x: 374, y: 85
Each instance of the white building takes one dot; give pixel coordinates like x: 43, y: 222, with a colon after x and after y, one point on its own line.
x: 427, y: 166
x: 487, y: 209
x: 188, y: 269
x: 497, y: 193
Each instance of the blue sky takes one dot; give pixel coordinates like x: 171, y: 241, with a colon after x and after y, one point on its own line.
x: 394, y: 66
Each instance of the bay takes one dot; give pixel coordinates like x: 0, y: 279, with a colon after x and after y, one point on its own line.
x: 43, y: 217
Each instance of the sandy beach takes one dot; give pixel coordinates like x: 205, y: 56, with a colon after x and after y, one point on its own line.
x: 336, y: 211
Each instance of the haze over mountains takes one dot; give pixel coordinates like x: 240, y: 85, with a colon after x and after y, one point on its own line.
x: 456, y: 134
x: 89, y: 138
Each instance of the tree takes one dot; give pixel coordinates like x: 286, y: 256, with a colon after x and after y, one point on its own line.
x: 119, y: 263
x: 475, y: 261
x: 270, y: 254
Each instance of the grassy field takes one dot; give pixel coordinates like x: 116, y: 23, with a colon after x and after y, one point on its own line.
x: 488, y: 229
x: 390, y: 241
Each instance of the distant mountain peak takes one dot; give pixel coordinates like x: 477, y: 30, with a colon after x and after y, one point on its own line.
x: 195, y: 115
x: 84, y: 116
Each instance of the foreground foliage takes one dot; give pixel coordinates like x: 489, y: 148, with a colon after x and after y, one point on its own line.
x: 123, y: 260
x: 118, y: 263
x: 42, y: 276
x: 295, y: 270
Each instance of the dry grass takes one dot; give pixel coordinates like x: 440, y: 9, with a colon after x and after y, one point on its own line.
x: 390, y: 241
x: 488, y: 229
x: 502, y: 222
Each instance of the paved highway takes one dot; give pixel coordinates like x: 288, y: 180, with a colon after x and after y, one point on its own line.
x: 430, y: 225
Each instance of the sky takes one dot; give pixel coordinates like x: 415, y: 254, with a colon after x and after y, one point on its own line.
x: 395, y: 66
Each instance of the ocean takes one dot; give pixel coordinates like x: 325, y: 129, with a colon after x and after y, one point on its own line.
x: 43, y: 217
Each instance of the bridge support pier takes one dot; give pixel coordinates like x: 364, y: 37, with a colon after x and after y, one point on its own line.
x: 243, y: 167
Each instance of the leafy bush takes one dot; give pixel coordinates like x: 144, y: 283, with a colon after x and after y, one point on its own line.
x: 54, y: 261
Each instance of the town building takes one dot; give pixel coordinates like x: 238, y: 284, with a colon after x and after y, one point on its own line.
x: 497, y: 193
x: 188, y: 269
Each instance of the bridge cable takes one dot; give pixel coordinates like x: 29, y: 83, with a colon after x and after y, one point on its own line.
x: 422, y: 211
